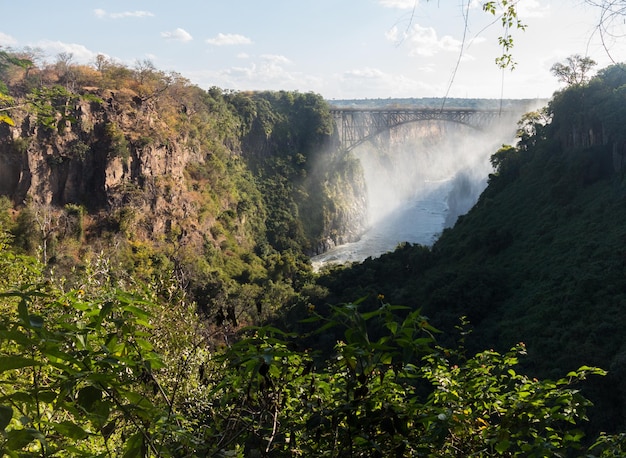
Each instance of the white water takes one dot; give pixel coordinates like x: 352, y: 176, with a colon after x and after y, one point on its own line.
x: 419, y: 220
x: 417, y: 190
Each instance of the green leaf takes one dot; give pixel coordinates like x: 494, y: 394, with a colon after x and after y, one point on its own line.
x: 88, y: 396
x: 137, y: 311
x: 105, y: 310
x: 392, y: 326
x: 19, y: 396
x: 54, y: 352
x: 6, y: 413
x: 17, y: 439
x: 7, y: 120
x: 16, y: 336
x: 47, y: 396
x: 503, y: 446
x: 35, y: 321
x: 15, y: 362
x: 108, y: 429
x: 22, y: 311
x: 144, y: 344
x: 70, y: 430
x: 134, y: 446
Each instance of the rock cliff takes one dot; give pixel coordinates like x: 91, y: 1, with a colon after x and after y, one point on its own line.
x: 156, y: 170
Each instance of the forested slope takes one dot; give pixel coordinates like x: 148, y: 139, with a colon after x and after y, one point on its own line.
x: 227, y: 191
x: 540, y: 259
x: 153, y: 242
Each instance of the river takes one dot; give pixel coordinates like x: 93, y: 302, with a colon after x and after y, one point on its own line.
x: 417, y: 189
x: 420, y: 219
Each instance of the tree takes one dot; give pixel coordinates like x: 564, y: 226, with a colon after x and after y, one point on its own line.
x: 531, y: 127
x: 574, y: 71
x: 64, y: 67
x: 7, y: 103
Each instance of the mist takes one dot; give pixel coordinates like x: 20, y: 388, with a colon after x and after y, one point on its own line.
x: 419, y: 159
x: 420, y: 178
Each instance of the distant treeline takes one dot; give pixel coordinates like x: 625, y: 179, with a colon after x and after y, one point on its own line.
x: 438, y: 102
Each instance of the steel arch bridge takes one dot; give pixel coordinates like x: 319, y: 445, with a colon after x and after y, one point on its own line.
x: 358, y: 125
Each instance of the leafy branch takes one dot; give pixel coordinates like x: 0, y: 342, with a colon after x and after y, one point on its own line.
x: 507, y: 11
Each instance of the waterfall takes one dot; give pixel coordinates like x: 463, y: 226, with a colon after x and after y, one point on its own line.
x: 420, y: 177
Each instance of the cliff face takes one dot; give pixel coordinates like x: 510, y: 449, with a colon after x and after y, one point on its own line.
x: 122, y: 157
x: 344, y: 212
x: 98, y: 160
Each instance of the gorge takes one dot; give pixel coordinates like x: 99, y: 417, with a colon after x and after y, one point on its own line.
x: 155, y: 247
x: 421, y: 175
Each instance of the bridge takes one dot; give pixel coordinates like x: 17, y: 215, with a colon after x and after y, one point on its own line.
x: 358, y: 125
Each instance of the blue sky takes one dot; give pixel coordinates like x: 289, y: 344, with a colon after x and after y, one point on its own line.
x: 337, y: 48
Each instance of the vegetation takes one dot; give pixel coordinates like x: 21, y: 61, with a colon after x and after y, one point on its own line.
x: 257, y: 191
x: 97, y: 371
x: 539, y: 258
x: 160, y: 309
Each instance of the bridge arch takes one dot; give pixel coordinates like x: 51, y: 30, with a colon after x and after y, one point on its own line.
x: 358, y: 125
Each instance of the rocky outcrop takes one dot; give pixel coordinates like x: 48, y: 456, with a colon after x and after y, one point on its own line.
x: 114, y: 154
x: 108, y: 157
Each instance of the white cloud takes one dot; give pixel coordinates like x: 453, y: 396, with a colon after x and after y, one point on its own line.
x: 424, y: 41
x: 79, y: 53
x: 177, y: 35
x: 7, y: 40
x: 275, y: 59
x: 428, y: 68
x: 268, y: 72
x: 364, y: 73
x: 532, y: 8
x: 243, y: 55
x: 103, y: 14
x: 228, y: 39
x: 401, y: 4
x: 353, y: 83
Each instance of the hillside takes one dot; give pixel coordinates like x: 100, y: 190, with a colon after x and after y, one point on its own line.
x: 157, y: 300
x: 540, y: 258
x: 228, y: 192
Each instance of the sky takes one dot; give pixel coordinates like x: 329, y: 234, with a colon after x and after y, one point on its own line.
x: 341, y: 49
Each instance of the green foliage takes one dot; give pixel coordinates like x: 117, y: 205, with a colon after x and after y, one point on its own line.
x: 6, y: 103
x: 53, y: 107
x: 301, y: 180
x: 25, y: 231
x: 6, y: 223
x: 251, y: 190
x: 486, y: 407
x: 574, y: 71
x: 539, y: 258
x: 78, y: 149
x: 505, y: 161
x: 507, y: 11
x: 8, y: 60
x: 385, y: 390
x: 118, y: 145
x: 609, y: 446
x: 15, y: 268
x: 81, y: 372
x: 74, y: 220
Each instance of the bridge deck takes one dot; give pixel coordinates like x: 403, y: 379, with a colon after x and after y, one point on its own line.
x: 357, y: 125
